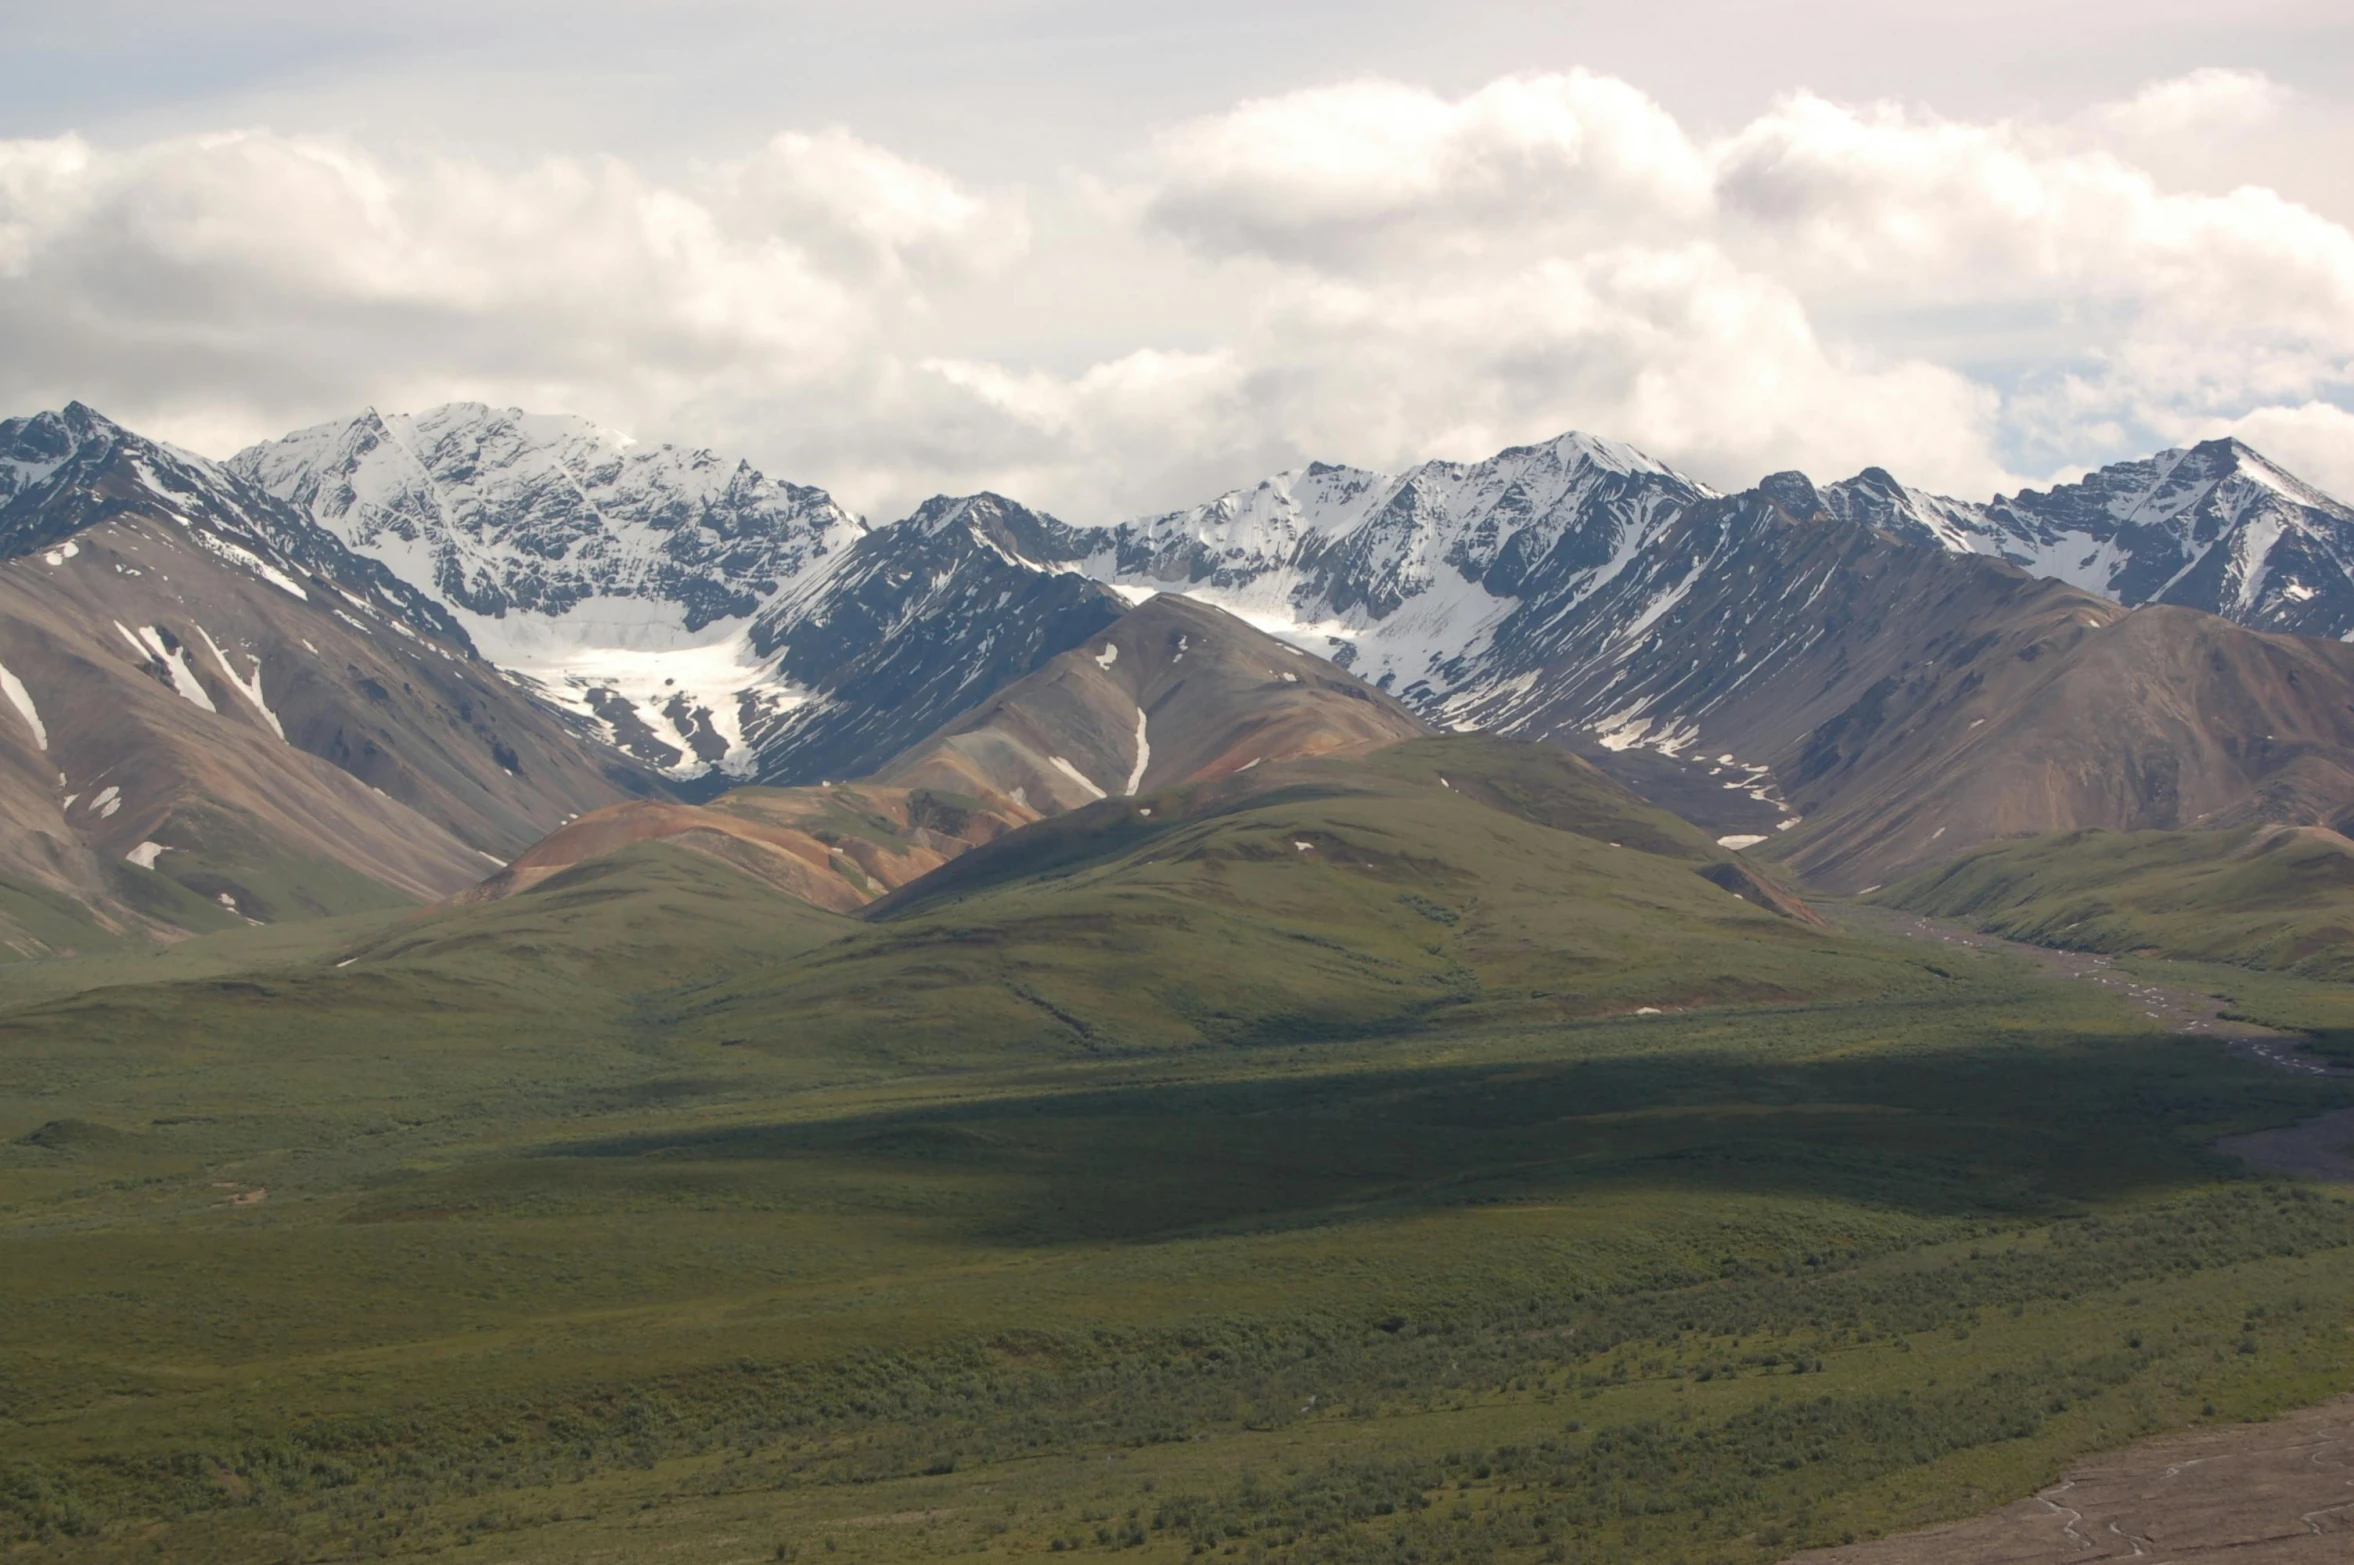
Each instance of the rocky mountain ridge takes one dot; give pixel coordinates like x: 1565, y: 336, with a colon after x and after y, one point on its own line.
x: 216, y: 712
x: 1721, y: 652
x: 2217, y: 527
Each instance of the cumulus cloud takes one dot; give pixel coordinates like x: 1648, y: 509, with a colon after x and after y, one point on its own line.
x: 1365, y: 173
x: 1366, y: 271
x: 863, y: 209
x: 2200, y: 104
x: 235, y: 277
x: 1829, y: 283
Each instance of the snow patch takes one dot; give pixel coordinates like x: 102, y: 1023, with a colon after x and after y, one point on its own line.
x: 22, y: 699
x: 58, y: 556
x: 175, y: 663
x: 146, y: 854
x: 1076, y: 775
x: 1620, y: 730
x: 252, y: 562
x: 1143, y: 754
x: 251, y: 689
x: 635, y: 650
x: 1738, y: 841
x: 1108, y: 656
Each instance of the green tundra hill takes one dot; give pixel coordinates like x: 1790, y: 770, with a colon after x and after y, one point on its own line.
x: 2279, y: 898
x: 1444, y: 881
x: 1507, y: 1174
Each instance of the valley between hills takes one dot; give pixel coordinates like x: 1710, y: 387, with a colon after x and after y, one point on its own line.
x: 578, y: 1002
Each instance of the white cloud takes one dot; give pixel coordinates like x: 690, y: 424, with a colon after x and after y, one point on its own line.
x: 1357, y: 174
x: 864, y: 209
x: 1368, y: 271
x: 2198, y: 104
x: 1827, y: 285
x: 248, y: 279
x: 2314, y: 440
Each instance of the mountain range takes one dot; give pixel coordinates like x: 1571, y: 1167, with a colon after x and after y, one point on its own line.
x: 380, y: 660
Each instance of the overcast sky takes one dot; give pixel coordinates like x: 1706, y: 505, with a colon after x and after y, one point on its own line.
x: 1115, y: 257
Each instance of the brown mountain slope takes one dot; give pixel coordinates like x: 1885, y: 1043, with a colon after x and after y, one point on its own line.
x: 2161, y: 719
x: 1173, y: 692
x: 837, y: 847
x: 1871, y: 704
x: 191, y: 737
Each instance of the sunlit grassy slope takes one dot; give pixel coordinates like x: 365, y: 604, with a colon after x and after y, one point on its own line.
x: 1149, y: 1185
x: 1464, y: 880
x: 2273, y: 897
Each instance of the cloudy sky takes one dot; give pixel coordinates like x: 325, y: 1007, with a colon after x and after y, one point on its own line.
x: 1117, y: 256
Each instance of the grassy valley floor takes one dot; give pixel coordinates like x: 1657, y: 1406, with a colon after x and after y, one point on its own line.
x: 594, y: 1224
x: 1702, y: 1286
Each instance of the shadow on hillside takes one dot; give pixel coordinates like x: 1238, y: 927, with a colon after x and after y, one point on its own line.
x: 1996, y: 1131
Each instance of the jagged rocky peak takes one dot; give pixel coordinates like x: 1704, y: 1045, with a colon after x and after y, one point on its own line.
x: 71, y: 468
x: 1465, y: 509
x: 1793, y: 493
x: 499, y: 511
x: 34, y: 447
x: 2217, y: 527
x: 2177, y: 486
x: 65, y: 472
x: 1015, y: 531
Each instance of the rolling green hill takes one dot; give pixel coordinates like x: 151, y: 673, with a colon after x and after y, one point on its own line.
x: 2273, y: 897
x: 1138, y: 1183
x: 1444, y: 881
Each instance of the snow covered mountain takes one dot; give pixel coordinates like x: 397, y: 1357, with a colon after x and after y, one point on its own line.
x: 620, y: 580
x: 721, y: 626
x: 1401, y: 578
x: 65, y: 471
x: 2217, y: 528
x: 715, y: 624
x: 1758, y: 661
x: 216, y: 711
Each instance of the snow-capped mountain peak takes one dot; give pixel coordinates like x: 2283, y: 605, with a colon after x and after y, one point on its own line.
x: 621, y: 579
x: 497, y: 511
x: 1398, y: 574
x: 65, y: 471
